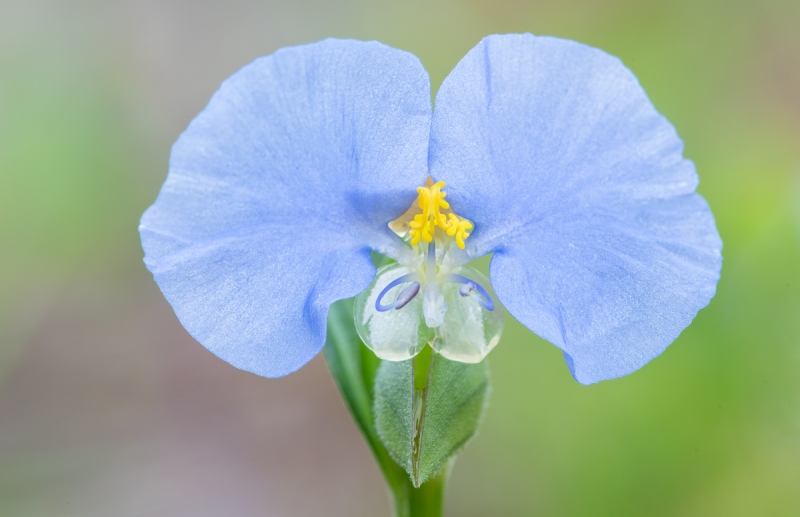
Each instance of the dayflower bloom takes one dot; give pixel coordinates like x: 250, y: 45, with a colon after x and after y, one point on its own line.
x: 551, y: 156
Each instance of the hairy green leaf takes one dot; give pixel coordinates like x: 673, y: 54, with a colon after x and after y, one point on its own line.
x: 427, y: 408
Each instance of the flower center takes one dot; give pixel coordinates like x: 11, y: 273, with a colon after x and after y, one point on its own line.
x: 419, y: 227
x: 429, y: 297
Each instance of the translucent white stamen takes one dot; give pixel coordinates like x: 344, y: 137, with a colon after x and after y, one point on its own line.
x: 434, y: 307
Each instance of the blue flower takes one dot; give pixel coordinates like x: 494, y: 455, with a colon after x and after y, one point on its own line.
x: 553, y: 158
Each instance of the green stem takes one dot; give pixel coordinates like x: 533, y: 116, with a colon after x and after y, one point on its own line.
x: 425, y: 501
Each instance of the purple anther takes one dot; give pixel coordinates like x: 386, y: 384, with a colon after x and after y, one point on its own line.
x: 411, y: 277
x: 407, y: 295
x: 468, y: 286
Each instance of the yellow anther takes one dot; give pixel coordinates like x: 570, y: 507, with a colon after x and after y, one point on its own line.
x: 460, y: 228
x: 431, y: 202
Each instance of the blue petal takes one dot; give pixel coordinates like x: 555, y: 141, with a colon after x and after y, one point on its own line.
x: 579, y: 187
x: 277, y: 191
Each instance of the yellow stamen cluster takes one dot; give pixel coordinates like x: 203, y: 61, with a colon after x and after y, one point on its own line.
x: 431, y: 202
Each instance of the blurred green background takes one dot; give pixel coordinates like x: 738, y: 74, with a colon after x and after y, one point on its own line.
x: 107, y: 407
